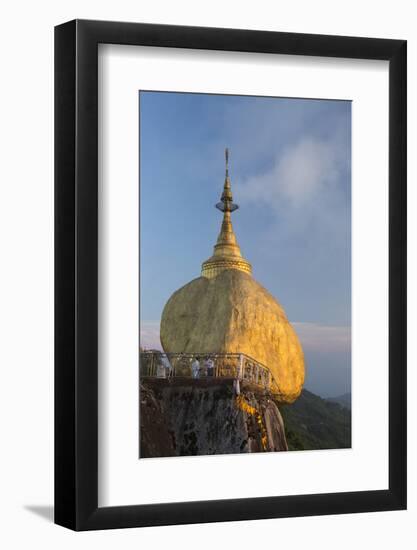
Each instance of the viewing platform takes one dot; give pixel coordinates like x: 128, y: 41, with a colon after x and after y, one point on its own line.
x: 212, y: 368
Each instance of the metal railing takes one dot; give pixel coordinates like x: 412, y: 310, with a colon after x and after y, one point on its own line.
x: 240, y: 366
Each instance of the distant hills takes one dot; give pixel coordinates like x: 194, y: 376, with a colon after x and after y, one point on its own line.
x: 344, y: 400
x: 316, y: 423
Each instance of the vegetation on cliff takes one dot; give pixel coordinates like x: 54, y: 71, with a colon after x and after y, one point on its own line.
x: 315, y: 423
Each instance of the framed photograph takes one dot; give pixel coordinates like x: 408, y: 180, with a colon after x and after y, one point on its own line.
x: 230, y: 275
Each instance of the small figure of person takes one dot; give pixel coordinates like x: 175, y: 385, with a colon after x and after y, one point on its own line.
x: 167, y: 365
x: 160, y: 368
x: 195, y: 367
x: 209, y: 364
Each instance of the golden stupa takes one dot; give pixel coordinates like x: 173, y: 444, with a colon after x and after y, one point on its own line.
x: 227, y: 311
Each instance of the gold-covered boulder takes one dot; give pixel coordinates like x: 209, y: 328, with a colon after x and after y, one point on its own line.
x: 233, y: 313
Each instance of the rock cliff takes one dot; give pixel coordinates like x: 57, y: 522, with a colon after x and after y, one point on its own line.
x: 179, y: 417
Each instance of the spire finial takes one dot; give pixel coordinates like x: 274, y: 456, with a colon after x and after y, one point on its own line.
x: 226, y: 253
x: 227, y: 204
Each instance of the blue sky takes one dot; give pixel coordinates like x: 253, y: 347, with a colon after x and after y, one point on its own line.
x: 290, y: 169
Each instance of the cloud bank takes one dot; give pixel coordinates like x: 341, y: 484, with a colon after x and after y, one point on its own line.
x: 301, y: 201
x: 299, y: 174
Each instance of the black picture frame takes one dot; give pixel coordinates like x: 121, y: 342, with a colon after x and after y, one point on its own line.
x: 76, y: 272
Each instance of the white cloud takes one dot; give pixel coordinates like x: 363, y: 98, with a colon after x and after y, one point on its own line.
x: 301, y: 172
x: 323, y: 338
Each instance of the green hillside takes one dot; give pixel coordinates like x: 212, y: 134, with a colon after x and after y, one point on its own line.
x: 315, y: 423
x: 343, y: 400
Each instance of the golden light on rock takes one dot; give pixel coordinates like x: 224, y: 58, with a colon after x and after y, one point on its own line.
x: 227, y: 311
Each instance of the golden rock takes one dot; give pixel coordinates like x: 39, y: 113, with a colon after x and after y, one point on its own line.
x: 232, y: 313
x: 227, y: 311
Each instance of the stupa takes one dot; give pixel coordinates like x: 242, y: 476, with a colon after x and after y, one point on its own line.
x: 226, y: 311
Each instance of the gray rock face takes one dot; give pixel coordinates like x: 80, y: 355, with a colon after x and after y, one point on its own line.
x: 180, y: 417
